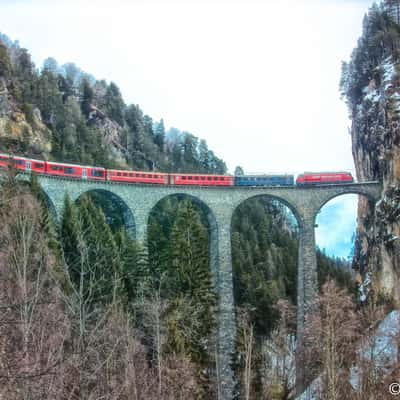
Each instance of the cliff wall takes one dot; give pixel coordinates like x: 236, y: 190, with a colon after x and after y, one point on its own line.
x: 371, y: 86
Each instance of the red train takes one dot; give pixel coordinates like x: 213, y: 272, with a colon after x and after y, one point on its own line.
x: 159, y: 178
x: 319, y: 178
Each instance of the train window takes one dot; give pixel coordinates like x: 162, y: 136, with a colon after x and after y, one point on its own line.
x: 118, y: 173
x: 130, y: 175
x: 37, y: 165
x: 56, y: 168
x: 137, y: 175
x: 203, y: 178
x: 125, y: 174
x: 190, y: 177
x: 215, y: 178
x: 96, y: 172
x: 221, y: 178
x: 209, y: 178
x: 20, y: 162
x: 68, y: 170
x: 184, y: 178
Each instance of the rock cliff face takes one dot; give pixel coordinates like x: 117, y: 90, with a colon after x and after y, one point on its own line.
x: 22, y: 128
x: 371, y: 86
x: 29, y: 134
x: 15, y: 130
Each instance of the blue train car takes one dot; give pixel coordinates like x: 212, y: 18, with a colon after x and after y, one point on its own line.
x: 264, y: 180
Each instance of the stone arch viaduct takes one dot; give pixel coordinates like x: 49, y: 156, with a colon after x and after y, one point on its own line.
x: 219, y: 204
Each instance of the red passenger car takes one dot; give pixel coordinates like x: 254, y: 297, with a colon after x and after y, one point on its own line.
x: 321, y: 178
x: 158, y: 178
x: 75, y: 171
x: 201, y: 180
x: 4, y: 160
x: 23, y: 164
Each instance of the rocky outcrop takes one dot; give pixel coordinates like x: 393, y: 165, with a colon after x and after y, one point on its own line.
x: 371, y: 86
x: 16, y: 131
x: 111, y: 132
x: 376, y: 150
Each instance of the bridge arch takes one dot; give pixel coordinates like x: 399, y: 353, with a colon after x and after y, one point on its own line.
x: 50, y: 205
x: 225, y: 321
x: 116, y: 210
x: 26, y: 180
x: 210, y: 218
x: 276, y: 253
x: 358, y: 191
x: 276, y: 198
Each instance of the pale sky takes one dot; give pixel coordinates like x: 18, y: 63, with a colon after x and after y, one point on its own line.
x: 336, y: 225
x: 257, y: 79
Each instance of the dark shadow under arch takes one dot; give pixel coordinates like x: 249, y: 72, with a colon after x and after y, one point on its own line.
x: 208, y: 217
x: 50, y: 205
x: 116, y: 211
x: 25, y: 180
x: 265, y: 257
x: 276, y: 199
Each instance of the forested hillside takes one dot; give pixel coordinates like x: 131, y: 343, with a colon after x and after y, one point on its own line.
x: 63, y: 113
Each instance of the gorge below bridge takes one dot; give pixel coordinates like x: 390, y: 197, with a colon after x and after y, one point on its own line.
x: 219, y: 205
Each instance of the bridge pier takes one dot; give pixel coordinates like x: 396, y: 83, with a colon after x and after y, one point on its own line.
x: 221, y: 265
x: 307, y: 288
x: 141, y: 220
x: 307, y: 280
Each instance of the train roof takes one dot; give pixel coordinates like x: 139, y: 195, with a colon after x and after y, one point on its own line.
x: 264, y: 175
x: 73, y: 165
x: 189, y: 174
x: 137, y: 172
x: 326, y: 172
x: 20, y: 157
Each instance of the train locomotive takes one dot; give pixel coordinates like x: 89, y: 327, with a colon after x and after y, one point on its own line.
x: 323, y: 178
x: 74, y: 171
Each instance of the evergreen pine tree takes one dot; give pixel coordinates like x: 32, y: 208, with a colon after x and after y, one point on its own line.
x: 189, y: 274
x: 87, y: 98
x: 159, y: 137
x: 70, y: 236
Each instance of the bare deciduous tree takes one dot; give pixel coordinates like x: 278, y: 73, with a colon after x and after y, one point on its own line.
x: 33, y: 325
x: 331, y: 333
x: 278, y: 355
